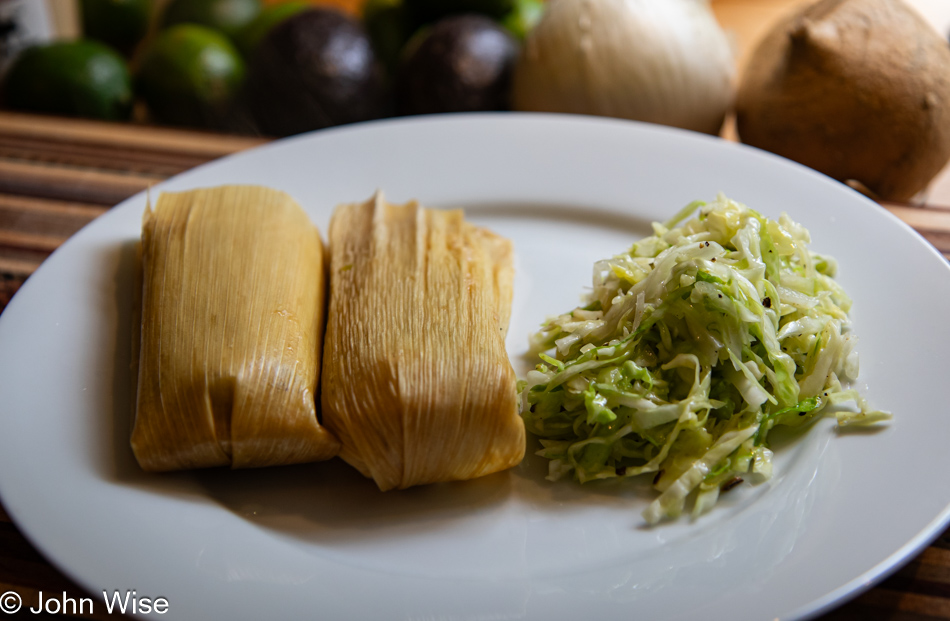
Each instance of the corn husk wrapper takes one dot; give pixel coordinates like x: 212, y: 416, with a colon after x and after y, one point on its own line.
x: 417, y: 383
x: 231, y: 327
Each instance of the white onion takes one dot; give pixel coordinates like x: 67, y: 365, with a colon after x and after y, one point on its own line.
x: 660, y: 61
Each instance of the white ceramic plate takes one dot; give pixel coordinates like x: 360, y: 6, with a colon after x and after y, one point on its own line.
x: 320, y: 542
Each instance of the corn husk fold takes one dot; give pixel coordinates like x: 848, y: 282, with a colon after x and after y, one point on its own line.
x: 417, y: 383
x: 233, y: 290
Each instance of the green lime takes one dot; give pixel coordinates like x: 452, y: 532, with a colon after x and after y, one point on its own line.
x: 189, y: 75
x: 523, y: 17
x: 228, y: 16
x: 388, y: 26
x: 120, y: 23
x: 75, y: 78
x: 249, y: 36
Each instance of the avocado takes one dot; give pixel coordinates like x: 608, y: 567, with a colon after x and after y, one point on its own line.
x: 463, y: 63
x: 315, y: 69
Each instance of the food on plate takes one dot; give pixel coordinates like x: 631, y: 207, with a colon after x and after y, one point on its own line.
x: 232, y: 312
x: 416, y: 381
x: 660, y: 61
x: 313, y: 70
x: 692, y: 346
x: 463, y: 63
x: 189, y: 75
x: 857, y: 89
x: 74, y: 78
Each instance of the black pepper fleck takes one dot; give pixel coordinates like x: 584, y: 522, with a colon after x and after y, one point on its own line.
x: 767, y: 302
x: 728, y: 485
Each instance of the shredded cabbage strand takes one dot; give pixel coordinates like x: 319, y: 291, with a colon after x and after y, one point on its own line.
x: 691, y: 347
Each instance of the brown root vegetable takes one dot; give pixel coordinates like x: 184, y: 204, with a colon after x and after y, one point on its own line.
x: 856, y: 89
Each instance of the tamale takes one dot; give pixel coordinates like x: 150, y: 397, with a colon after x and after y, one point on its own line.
x: 232, y: 313
x: 416, y: 381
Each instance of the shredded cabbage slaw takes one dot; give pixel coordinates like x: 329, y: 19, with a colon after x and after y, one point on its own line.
x: 690, y: 348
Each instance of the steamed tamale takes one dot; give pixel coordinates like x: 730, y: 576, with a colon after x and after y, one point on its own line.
x: 416, y: 381
x: 232, y: 303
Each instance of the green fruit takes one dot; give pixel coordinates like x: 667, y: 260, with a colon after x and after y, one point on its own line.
x: 120, y: 23
x: 252, y: 34
x: 523, y: 17
x: 75, y: 78
x: 388, y: 25
x: 228, y: 16
x: 189, y: 76
x: 423, y: 11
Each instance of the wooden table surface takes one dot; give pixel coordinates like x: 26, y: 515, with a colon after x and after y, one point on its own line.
x: 57, y: 175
